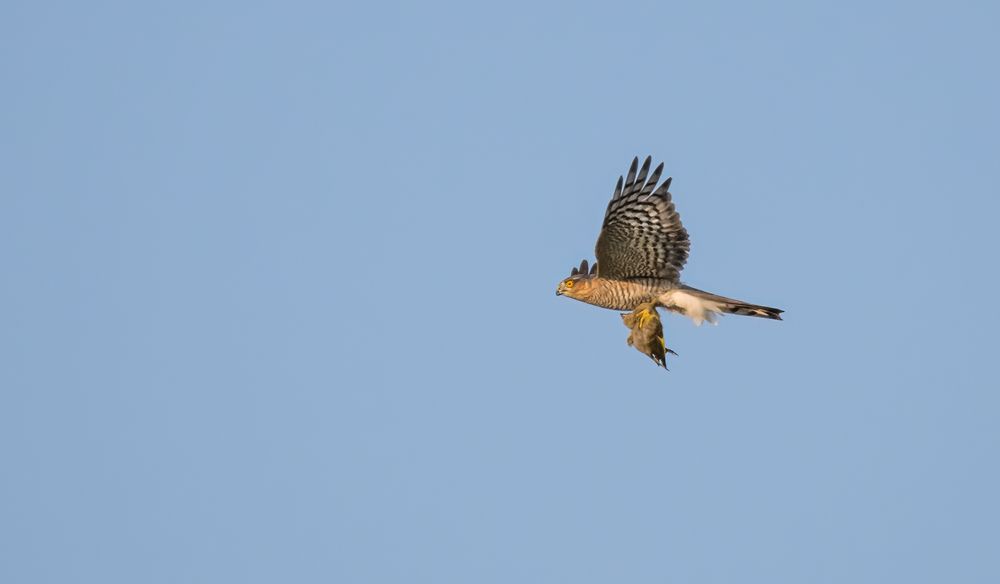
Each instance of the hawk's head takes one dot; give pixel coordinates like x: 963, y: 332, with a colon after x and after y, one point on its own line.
x: 579, y: 283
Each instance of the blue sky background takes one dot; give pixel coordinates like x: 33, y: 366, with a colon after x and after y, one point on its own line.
x: 277, y: 300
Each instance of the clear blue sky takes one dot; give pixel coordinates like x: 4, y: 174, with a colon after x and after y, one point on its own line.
x: 241, y: 246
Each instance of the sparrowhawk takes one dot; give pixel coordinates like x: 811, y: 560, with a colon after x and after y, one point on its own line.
x: 640, y: 252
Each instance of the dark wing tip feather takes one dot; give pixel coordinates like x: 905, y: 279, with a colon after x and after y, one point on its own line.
x: 630, y: 180
x: 640, y: 180
x: 663, y: 188
x: 647, y: 188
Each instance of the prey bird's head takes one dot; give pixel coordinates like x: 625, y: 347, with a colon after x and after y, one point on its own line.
x: 579, y: 283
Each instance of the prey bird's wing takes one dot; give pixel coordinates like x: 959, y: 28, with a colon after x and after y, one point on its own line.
x: 642, y: 235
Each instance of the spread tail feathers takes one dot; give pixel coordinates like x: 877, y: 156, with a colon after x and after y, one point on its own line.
x: 699, y: 305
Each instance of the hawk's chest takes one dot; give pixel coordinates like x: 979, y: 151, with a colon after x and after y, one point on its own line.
x: 625, y: 294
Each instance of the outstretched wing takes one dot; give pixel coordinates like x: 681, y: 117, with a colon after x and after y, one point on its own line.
x: 642, y: 235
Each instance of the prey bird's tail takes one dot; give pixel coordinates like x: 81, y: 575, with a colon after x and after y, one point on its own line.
x: 699, y: 305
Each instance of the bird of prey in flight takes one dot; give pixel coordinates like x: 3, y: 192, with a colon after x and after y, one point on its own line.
x: 640, y: 252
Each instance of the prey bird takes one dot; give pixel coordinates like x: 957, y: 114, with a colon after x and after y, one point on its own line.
x: 646, y: 333
x: 641, y: 251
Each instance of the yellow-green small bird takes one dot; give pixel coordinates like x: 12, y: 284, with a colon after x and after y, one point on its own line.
x: 646, y: 333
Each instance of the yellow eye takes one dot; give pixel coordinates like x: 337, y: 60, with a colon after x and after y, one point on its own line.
x: 568, y: 283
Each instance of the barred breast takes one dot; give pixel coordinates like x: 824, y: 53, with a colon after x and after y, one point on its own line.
x: 626, y: 294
